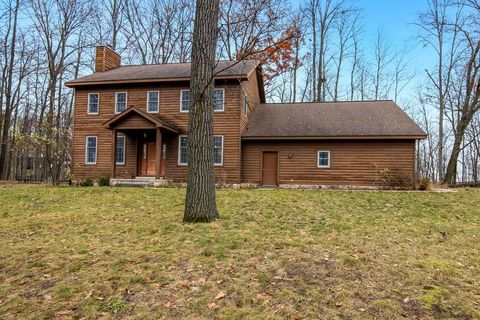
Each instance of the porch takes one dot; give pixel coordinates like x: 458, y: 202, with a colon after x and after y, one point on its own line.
x: 141, y: 154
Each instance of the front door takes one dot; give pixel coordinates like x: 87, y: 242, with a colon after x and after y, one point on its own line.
x: 147, y: 159
x: 269, y: 169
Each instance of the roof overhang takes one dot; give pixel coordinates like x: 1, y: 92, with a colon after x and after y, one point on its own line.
x: 155, y: 121
x: 74, y: 83
x: 373, y: 137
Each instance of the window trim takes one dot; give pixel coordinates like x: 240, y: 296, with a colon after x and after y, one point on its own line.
x: 86, y: 150
x: 158, y: 101
x: 318, y: 159
x: 116, y: 100
x: 181, y: 100
x: 223, y: 100
x: 223, y: 144
x: 179, y: 150
x: 245, y: 106
x: 98, y: 104
x: 124, y: 147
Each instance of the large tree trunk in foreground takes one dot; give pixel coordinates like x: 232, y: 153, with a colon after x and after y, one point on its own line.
x: 200, y: 205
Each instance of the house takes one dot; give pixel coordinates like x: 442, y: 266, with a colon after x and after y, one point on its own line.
x: 132, y: 121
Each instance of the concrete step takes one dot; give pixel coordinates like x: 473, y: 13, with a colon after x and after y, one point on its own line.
x: 139, y: 182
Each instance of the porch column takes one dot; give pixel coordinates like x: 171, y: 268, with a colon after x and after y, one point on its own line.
x: 158, y: 156
x: 114, y: 152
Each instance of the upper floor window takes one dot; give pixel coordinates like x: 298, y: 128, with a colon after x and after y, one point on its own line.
x: 93, y: 102
x: 218, y: 99
x: 120, y: 150
x: 217, y: 150
x: 120, y: 102
x: 245, y: 105
x: 184, y: 100
x: 153, y: 101
x: 323, y: 159
x: 91, y: 150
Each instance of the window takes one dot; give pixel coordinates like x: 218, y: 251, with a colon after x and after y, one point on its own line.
x: 323, y: 160
x: 245, y: 105
x: 184, y: 100
x: 218, y: 150
x: 152, y: 101
x: 91, y: 150
x: 218, y: 99
x: 120, y: 150
x: 92, y: 103
x: 182, y: 150
x: 120, y: 102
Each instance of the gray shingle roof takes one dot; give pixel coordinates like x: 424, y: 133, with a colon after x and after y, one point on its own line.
x: 331, y: 119
x: 159, y: 72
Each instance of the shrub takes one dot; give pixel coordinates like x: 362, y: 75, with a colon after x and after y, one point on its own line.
x: 103, y: 182
x: 86, y: 182
x: 425, y: 184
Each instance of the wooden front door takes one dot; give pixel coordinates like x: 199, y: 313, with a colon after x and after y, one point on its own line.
x: 146, y: 165
x: 269, y: 168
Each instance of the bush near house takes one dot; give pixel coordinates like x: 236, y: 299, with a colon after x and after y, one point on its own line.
x: 124, y: 253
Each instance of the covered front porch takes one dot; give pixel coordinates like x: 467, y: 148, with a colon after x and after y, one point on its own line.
x: 139, y: 143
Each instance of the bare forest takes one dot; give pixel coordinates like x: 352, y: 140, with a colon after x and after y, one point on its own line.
x: 315, y: 50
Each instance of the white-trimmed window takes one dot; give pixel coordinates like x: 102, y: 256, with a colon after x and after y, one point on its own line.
x: 323, y: 159
x: 182, y: 150
x: 153, y: 98
x: 184, y: 100
x: 217, y: 150
x: 218, y: 99
x: 245, y: 105
x: 93, y: 103
x: 91, y: 150
x: 120, y: 150
x: 120, y: 102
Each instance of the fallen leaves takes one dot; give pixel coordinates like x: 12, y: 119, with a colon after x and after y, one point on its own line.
x: 220, y: 295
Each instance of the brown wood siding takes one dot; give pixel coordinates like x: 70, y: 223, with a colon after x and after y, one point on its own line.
x: 352, y: 162
x: 226, y: 124
x: 250, y: 89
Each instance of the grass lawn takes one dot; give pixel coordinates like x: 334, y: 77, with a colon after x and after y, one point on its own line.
x: 123, y: 253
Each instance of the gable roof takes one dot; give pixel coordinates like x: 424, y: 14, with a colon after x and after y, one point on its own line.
x: 366, y: 119
x: 157, y: 122
x: 163, y: 73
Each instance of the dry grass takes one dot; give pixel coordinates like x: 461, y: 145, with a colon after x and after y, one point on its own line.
x: 70, y: 253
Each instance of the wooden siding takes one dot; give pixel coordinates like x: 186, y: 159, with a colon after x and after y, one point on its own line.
x: 106, y: 59
x: 249, y: 89
x: 352, y: 162
x: 226, y: 124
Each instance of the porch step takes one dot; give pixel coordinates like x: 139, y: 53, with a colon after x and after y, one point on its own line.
x: 139, y: 182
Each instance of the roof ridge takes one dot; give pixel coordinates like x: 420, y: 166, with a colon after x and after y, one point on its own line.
x: 173, y: 63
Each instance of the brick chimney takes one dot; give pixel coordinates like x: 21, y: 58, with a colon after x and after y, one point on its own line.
x: 106, y: 59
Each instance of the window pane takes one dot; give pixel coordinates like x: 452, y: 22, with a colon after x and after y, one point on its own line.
x: 218, y: 149
x: 323, y: 159
x: 121, y: 102
x: 245, y: 105
x: 185, y: 100
x: 218, y: 99
x: 120, y: 151
x: 93, y: 103
x: 152, y: 101
x: 183, y: 150
x: 91, y: 149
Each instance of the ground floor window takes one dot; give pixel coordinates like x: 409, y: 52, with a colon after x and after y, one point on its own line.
x: 91, y: 150
x: 217, y: 151
x: 323, y: 159
x: 120, y: 150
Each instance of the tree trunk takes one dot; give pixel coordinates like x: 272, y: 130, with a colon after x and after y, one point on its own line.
x: 200, y: 204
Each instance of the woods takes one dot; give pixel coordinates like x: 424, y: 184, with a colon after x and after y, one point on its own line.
x: 318, y: 50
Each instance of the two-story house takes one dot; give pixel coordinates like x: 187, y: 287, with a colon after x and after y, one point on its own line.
x: 132, y: 121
